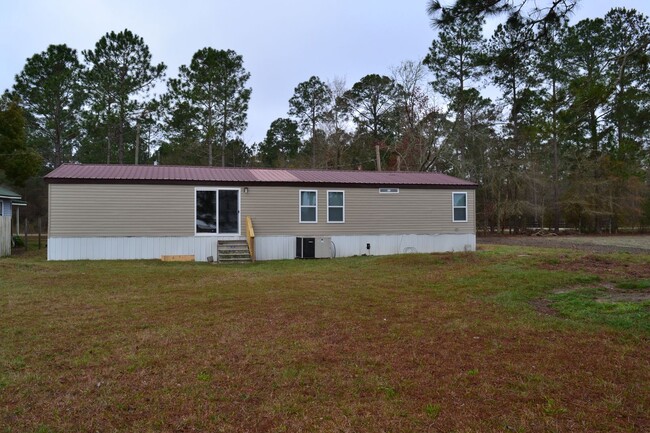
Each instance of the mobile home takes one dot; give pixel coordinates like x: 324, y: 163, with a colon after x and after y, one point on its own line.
x: 146, y: 212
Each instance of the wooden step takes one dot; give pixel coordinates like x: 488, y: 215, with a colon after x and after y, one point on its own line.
x: 235, y: 251
x: 178, y: 258
x: 242, y: 259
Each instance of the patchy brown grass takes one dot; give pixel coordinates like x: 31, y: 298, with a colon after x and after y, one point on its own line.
x: 603, y: 266
x: 445, y: 342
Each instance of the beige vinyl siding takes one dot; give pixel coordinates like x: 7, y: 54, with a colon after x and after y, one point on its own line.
x: 168, y: 210
x: 121, y: 210
x: 275, y: 211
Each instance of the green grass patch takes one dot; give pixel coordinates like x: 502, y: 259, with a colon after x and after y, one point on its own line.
x: 591, y: 305
x: 432, y: 410
x: 634, y: 284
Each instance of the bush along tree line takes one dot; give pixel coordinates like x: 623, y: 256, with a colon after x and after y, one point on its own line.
x: 552, y: 119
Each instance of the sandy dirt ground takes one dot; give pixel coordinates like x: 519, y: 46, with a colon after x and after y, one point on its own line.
x: 593, y: 243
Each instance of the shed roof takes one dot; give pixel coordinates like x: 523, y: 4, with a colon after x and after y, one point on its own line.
x: 7, y: 193
x: 168, y: 174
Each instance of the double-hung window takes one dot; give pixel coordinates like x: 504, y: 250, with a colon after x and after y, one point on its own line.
x: 335, y: 206
x: 308, y: 206
x: 459, y: 207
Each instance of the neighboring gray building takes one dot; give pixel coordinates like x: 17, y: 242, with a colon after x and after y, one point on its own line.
x: 8, y: 200
x: 145, y: 212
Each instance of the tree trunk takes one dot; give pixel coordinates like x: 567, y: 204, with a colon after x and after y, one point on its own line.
x: 223, y: 146
x: 58, y: 147
x: 313, y: 143
x: 137, y: 142
x: 120, y: 140
x: 108, y: 145
x: 556, y: 163
x: 461, y: 120
x: 224, y: 136
x: 377, y: 157
x: 209, y: 134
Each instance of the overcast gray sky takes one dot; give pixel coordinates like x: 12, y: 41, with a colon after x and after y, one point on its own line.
x: 283, y: 42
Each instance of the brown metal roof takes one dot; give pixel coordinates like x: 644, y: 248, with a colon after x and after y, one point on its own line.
x: 161, y: 174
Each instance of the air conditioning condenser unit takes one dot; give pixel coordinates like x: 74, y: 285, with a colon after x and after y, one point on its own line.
x: 314, y: 248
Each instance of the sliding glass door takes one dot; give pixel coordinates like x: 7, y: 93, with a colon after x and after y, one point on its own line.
x: 217, y: 211
x: 228, y: 211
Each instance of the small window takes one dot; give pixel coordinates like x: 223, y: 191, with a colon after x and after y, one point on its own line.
x: 388, y: 190
x: 335, y: 206
x: 459, y: 205
x: 308, y: 206
x: 2, y: 206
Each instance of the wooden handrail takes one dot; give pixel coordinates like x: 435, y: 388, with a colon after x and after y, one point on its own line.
x: 250, y: 237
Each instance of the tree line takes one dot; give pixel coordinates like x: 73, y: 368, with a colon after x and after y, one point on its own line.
x: 551, y: 119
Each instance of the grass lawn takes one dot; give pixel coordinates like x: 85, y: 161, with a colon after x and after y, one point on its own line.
x: 507, y: 339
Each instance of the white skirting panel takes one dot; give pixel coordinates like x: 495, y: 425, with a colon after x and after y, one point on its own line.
x: 126, y: 248
x: 381, y: 245
x: 267, y: 247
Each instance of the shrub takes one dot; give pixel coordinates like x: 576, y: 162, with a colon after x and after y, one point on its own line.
x: 17, y: 241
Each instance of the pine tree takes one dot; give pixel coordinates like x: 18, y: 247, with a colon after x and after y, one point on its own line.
x: 456, y: 58
x: 17, y: 160
x: 119, y: 77
x: 211, y: 96
x: 51, y: 91
x: 371, y: 101
x: 309, y: 104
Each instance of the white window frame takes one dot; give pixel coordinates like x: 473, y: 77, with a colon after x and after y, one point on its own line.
x: 329, y: 206
x: 300, y: 206
x: 454, y: 207
x: 217, y: 210
x: 387, y: 190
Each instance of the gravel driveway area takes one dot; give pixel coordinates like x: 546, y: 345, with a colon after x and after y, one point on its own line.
x: 594, y: 243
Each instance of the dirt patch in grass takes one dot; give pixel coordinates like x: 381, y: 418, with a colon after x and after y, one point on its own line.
x: 624, y: 296
x: 602, y: 266
x: 543, y: 306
